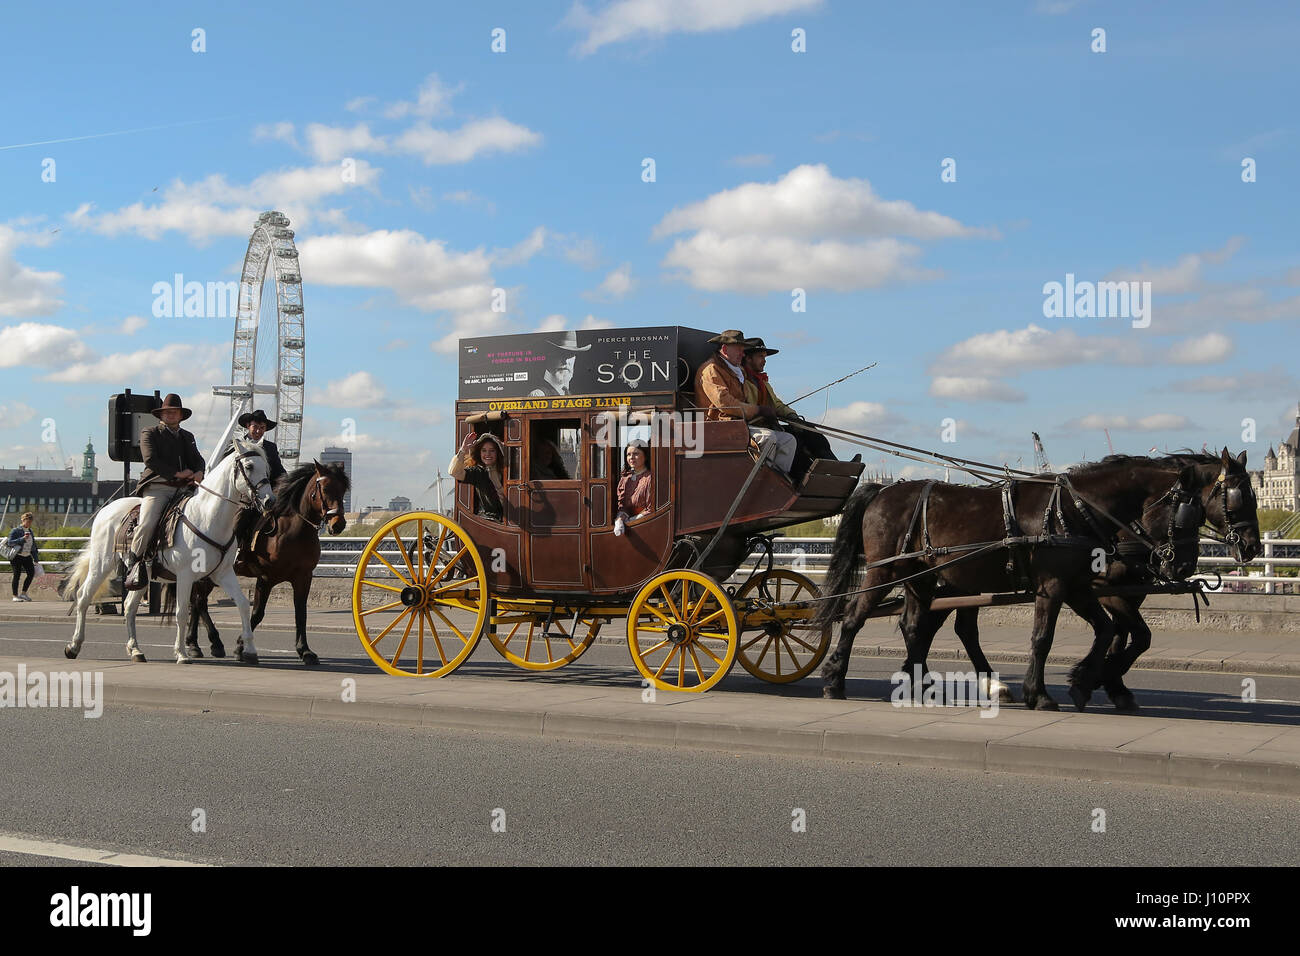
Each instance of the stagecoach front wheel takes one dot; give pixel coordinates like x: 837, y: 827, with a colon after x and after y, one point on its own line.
x: 682, y: 631
x: 780, y: 643
x: 420, y: 611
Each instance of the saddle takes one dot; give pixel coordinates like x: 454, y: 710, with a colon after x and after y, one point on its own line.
x: 163, y: 537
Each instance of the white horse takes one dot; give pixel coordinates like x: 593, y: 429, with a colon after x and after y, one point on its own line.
x: 203, y: 547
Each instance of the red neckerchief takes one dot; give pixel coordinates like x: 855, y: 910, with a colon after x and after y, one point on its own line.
x: 761, y: 379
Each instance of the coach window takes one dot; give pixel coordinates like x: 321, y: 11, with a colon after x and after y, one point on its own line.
x: 555, y: 451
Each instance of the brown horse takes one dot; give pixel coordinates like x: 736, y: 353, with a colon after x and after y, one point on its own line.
x: 306, y: 498
x: 923, y: 533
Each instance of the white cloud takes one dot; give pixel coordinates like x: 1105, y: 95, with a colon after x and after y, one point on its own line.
x: 1007, y: 351
x: 358, y: 103
x: 1147, y: 423
x: 328, y: 144
x: 552, y: 323
x: 358, y: 390
x: 475, y: 138
x: 974, y: 389
x: 806, y: 230
x: 632, y: 19
x: 25, y: 291
x: 282, y: 132
x: 15, y: 414
x: 1186, y: 275
x: 200, y: 363
x: 214, y: 207
x: 33, y: 343
x: 615, y: 285
x: 582, y: 252
x: 522, y: 251
x: 132, y: 324
x: 809, y: 202
x: 858, y: 415
x: 1202, y: 350
x: 432, y: 99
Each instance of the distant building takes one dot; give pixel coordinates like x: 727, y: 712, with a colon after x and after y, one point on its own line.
x: 78, y: 500
x: 1277, y: 485
x: 23, y: 473
x: 340, y: 456
x: 88, y: 470
x: 399, y: 504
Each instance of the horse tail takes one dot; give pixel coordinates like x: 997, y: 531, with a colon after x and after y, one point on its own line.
x: 168, y: 604
x: 843, y: 575
x: 80, y: 570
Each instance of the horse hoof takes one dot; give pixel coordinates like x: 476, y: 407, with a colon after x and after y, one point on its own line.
x: 182, y: 660
x: 194, y: 650
x: 217, y: 649
x: 1080, y: 698
x: 310, y: 659
x: 1126, y: 704
x: 68, y: 652
x: 138, y: 658
x: 833, y: 693
x: 248, y: 658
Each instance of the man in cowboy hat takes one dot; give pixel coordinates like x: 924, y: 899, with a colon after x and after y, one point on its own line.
x: 720, y: 389
x: 810, y: 445
x: 558, y: 373
x: 256, y: 425
x: 171, y: 461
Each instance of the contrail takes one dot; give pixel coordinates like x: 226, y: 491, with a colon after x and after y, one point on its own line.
x: 121, y: 132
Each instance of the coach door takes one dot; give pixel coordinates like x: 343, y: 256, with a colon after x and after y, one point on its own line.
x: 556, y: 507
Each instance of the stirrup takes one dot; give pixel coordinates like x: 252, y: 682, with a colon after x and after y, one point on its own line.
x: 136, y: 577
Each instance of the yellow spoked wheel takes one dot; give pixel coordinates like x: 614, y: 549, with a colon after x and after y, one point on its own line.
x: 420, y: 611
x: 525, y: 644
x: 682, y: 631
x: 788, y: 646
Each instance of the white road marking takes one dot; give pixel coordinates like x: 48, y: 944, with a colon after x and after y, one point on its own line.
x: 11, y: 843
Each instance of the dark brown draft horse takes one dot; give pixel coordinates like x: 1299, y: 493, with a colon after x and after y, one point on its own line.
x: 1230, y: 509
x: 922, y: 534
x: 306, y: 498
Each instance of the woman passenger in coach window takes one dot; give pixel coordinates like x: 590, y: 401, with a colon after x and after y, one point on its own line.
x: 479, y: 461
x: 635, y: 486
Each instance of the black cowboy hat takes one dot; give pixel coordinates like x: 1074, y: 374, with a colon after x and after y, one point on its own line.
x: 729, y: 337
x: 171, y: 401
x: 256, y: 416
x: 756, y: 344
x: 569, y: 342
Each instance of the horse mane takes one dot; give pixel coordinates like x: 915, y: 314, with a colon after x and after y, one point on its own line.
x: 289, y: 489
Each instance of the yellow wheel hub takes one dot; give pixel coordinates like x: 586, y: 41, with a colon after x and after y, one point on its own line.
x: 682, y: 631
x: 780, y: 643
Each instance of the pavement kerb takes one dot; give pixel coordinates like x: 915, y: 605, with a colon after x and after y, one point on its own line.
x: 734, y: 725
x: 1150, y: 661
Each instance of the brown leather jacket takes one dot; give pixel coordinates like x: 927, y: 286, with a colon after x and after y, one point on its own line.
x: 166, y: 452
x: 718, y: 390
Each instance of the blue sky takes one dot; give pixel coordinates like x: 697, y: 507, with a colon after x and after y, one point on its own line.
x: 774, y: 169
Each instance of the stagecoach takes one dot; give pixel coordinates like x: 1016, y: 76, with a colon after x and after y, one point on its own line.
x: 541, y: 582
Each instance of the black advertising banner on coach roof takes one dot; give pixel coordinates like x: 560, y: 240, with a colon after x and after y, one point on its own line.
x: 586, y: 362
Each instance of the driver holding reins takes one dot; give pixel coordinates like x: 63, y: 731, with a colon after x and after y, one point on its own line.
x: 171, y: 461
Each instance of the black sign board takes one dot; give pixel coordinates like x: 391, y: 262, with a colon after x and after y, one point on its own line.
x: 654, y: 360
x: 128, y: 415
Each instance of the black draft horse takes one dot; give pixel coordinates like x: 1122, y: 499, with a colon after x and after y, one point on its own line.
x: 1230, y: 509
x: 882, y: 522
x: 306, y: 498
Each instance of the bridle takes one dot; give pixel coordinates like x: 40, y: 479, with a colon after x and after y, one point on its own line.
x: 253, y: 500
x: 316, y: 489
x: 1232, y: 500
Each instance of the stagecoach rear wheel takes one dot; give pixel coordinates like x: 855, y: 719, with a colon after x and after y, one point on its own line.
x: 527, y: 643
x: 776, y: 646
x: 682, y: 631
x: 416, y: 616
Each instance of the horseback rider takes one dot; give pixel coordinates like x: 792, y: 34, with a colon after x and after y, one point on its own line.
x: 720, y: 388
x: 256, y: 425
x: 810, y: 445
x: 171, y: 462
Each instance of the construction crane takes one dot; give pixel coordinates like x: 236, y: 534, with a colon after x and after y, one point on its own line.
x: 1040, y: 456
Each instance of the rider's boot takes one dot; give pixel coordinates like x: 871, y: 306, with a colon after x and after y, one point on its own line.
x: 136, y: 575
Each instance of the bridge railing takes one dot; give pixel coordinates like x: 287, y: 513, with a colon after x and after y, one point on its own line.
x: 811, y: 556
